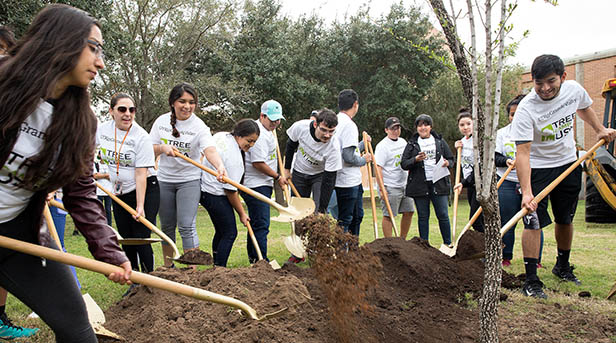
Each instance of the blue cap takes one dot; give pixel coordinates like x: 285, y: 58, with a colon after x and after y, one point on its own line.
x: 272, y: 109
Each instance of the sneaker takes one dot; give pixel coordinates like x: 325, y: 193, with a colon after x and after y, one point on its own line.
x: 295, y: 259
x: 534, y: 289
x: 539, y: 265
x: 8, y: 330
x: 130, y: 289
x: 506, y: 263
x: 565, y: 274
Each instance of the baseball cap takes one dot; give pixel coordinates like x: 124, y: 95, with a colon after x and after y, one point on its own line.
x: 272, y: 109
x: 391, y: 122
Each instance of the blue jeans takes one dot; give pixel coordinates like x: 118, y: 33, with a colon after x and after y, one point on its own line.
x: 332, y: 207
x: 59, y: 221
x: 350, y: 208
x: 510, y: 203
x: 441, y: 204
x: 106, y: 200
x: 259, y: 213
x: 223, y: 218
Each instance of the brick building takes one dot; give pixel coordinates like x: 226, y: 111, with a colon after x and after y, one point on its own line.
x: 590, y: 71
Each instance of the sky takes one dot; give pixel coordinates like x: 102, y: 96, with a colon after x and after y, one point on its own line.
x: 572, y: 28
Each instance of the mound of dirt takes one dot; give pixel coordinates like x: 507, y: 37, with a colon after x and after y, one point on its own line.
x: 197, y: 256
x: 471, y: 243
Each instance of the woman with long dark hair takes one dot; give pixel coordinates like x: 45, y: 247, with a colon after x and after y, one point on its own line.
x: 220, y: 199
x: 127, y: 149
x: 181, y: 130
x: 47, y: 142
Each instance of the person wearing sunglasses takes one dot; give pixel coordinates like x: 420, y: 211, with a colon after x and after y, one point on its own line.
x: 128, y: 152
x: 48, y: 143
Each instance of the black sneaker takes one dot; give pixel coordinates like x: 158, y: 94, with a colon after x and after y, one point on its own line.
x: 534, y: 288
x: 566, y: 273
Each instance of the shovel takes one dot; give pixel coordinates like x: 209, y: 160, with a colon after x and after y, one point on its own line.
x: 136, y: 277
x: 451, y: 251
x: 123, y: 241
x: 379, y: 180
x: 176, y: 254
x: 371, y: 185
x: 299, y: 209
x: 524, y: 211
x: 251, y: 233
x: 96, y: 316
x: 293, y: 243
x: 456, y: 195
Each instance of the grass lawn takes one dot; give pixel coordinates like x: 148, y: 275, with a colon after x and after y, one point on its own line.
x: 593, y: 254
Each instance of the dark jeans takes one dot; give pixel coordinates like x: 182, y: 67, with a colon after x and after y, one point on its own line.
x: 510, y: 203
x: 139, y: 255
x: 350, y: 208
x: 307, y: 184
x: 441, y: 204
x: 48, y: 290
x: 106, y: 200
x: 259, y: 213
x: 471, y: 193
x: 223, y: 219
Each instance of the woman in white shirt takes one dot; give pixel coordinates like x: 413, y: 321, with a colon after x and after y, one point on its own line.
x: 220, y: 199
x: 127, y: 150
x: 181, y: 130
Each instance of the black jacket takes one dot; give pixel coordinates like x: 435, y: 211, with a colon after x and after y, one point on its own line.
x: 416, y: 183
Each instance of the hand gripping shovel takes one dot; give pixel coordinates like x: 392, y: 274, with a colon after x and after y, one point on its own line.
x: 456, y: 195
x: 451, y: 251
x: 371, y: 185
x: 298, y: 210
x: 121, y: 240
x: 176, y: 254
x: 379, y: 180
x: 136, y: 277
x: 524, y: 211
x: 293, y: 243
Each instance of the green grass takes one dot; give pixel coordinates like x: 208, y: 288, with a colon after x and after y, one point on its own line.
x: 593, y: 254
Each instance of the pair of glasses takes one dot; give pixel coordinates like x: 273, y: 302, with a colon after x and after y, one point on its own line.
x: 123, y: 109
x: 97, y: 49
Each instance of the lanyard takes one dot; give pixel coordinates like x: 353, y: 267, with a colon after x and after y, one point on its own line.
x: 115, y: 148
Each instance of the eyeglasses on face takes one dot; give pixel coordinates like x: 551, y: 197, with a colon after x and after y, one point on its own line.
x: 97, y: 49
x: 123, y: 109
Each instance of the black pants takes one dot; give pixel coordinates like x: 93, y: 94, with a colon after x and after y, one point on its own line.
x: 472, y: 201
x: 128, y: 227
x: 48, y: 290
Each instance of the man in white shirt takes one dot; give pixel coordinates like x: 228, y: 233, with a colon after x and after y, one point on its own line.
x: 349, y: 191
x: 387, y: 155
x: 261, y: 165
x: 543, y: 131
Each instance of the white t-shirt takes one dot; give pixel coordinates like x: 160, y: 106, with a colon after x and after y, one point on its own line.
x: 468, y: 157
x: 102, y: 169
x: 388, y: 154
x: 194, y: 137
x: 549, y: 125
x: 313, y: 157
x: 347, y: 135
x: 264, y: 150
x: 428, y: 145
x: 13, y: 197
x: 506, y: 146
x: 136, y: 152
x: 231, y: 156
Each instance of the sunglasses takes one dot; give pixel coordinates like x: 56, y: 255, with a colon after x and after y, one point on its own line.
x: 123, y: 109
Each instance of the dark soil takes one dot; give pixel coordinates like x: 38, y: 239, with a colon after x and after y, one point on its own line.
x: 389, y: 290
x: 196, y: 256
x: 471, y: 243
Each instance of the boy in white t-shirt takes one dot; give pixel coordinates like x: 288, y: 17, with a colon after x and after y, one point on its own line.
x: 261, y: 164
x: 387, y: 155
x: 543, y: 131
x: 349, y: 191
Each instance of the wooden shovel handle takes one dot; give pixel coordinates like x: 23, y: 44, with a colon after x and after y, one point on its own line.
x: 136, y: 277
x: 379, y: 181
x: 254, y: 241
x: 371, y: 185
x: 142, y: 219
x: 287, y: 194
x: 234, y: 184
x: 524, y: 211
x: 51, y: 227
x: 456, y: 194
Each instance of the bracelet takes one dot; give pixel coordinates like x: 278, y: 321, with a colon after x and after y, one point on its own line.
x: 277, y: 177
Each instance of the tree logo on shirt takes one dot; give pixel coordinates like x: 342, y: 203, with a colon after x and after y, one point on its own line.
x: 557, y: 129
x: 307, y: 157
x: 397, y: 159
x: 183, y: 147
x: 510, y: 149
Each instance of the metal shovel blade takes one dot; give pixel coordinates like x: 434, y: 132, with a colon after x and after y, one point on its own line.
x: 447, y: 250
x: 298, y: 208
x: 295, y: 246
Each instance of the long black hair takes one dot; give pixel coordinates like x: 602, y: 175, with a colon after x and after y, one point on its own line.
x: 49, y: 50
x: 176, y: 93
